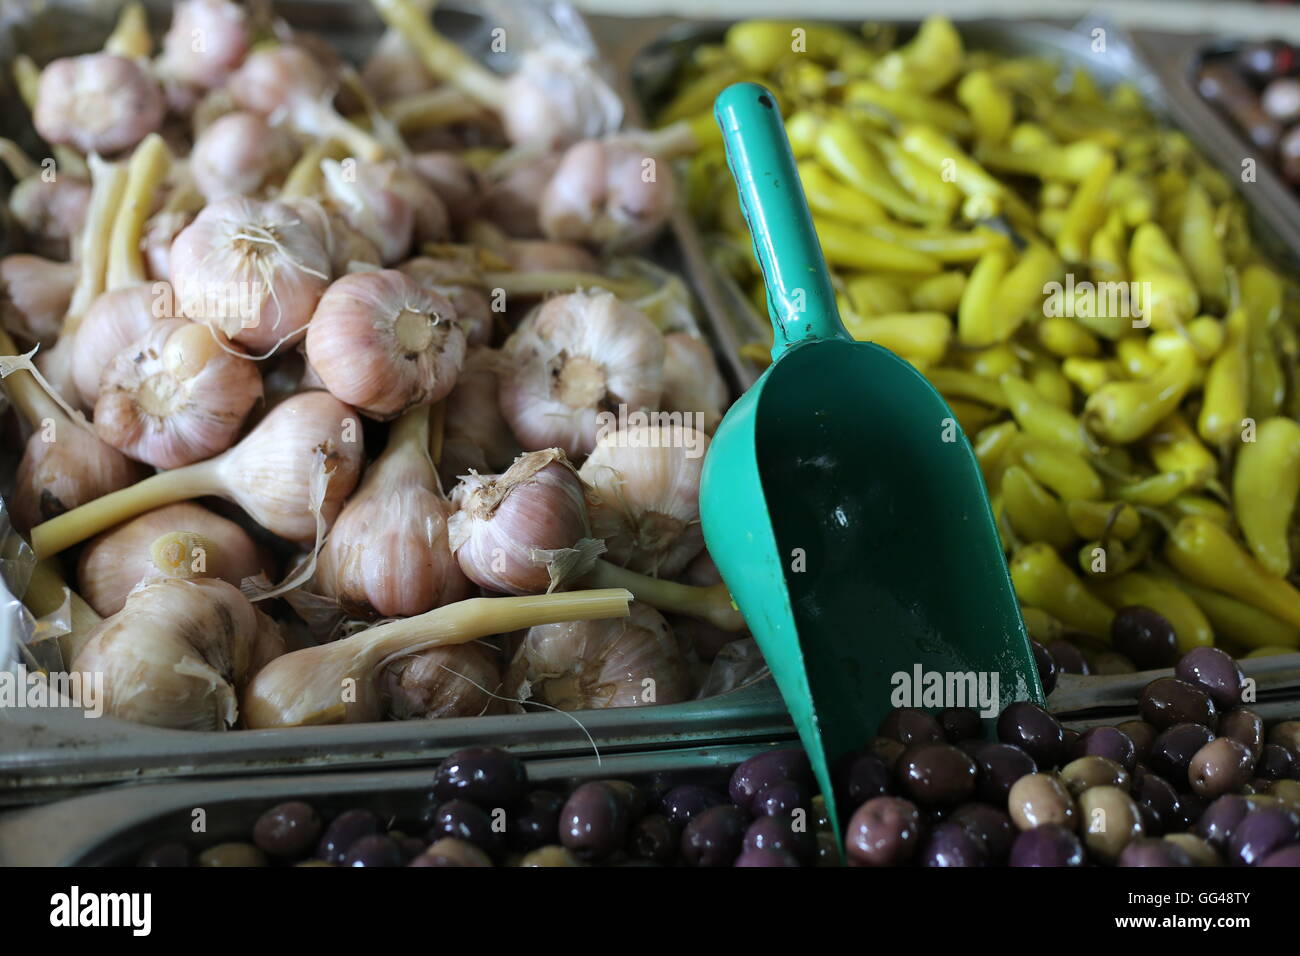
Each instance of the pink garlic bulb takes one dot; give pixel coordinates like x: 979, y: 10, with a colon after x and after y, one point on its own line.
x: 52, y: 212
x: 456, y: 681
x: 556, y: 97
x: 475, y: 435
x: 458, y: 185
x: 394, y: 70
x: 240, y: 155
x: 206, y: 42
x: 159, y: 233
x: 692, y: 383
x: 115, y: 320
x: 345, y: 245
x: 548, y: 255
x: 34, y: 296
x: 389, y: 206
x: 473, y: 311
x: 510, y: 201
x: 65, y: 465
x: 97, y: 103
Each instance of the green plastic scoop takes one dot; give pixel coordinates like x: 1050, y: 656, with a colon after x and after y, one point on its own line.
x: 841, y: 501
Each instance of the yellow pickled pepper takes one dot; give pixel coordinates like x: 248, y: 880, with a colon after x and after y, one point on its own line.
x: 1171, y: 296
x: 1065, y: 472
x: 1042, y: 580
x: 1035, y: 513
x: 1265, y: 482
x: 1038, y: 416
x: 1125, y: 411
x: 1165, y: 598
x: 1174, y: 446
x: 1226, y: 392
x: 1199, y: 245
x: 1235, y: 619
x: 1206, y: 554
x: 1093, y: 519
x: 1261, y: 297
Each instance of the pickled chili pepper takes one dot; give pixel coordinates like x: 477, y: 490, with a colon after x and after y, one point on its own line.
x: 905, y: 107
x: 914, y: 335
x: 1060, y: 164
x: 845, y: 153
x: 940, y: 293
x: 1172, y: 299
x: 1156, y: 490
x: 1066, y: 473
x: 1107, y: 249
x: 1136, y: 358
x: 1175, y: 446
x: 989, y: 104
x: 1261, y: 297
x: 1125, y: 411
x: 1042, y: 580
x: 1205, y: 334
x: 1051, y: 383
x: 977, y: 323
x: 990, y: 447
x: 970, y: 416
x: 992, y: 362
x: 1088, y: 375
x: 827, y: 196
x: 928, y: 62
x: 1086, y: 211
x: 1020, y: 291
x: 1201, y: 506
x: 1035, y: 513
x: 941, y: 154
x: 759, y: 45
x: 876, y: 295
x: 953, y: 383
x: 1199, y: 246
x: 1039, y: 417
x: 915, y: 176
x: 1093, y: 519
x: 1206, y: 554
x: 1041, y: 626
x: 1189, y: 622
x: 1065, y: 338
x: 1234, y: 619
x: 1227, y: 386
x: 1265, y: 482
x: 845, y: 245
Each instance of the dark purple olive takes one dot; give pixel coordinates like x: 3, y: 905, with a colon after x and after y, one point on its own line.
x: 1192, y: 806
x: 486, y: 776
x: 452, y: 852
x: 989, y: 825
x: 1262, y: 832
x: 714, y: 837
x: 593, y: 821
x: 1068, y: 658
x: 951, y: 845
x: 1034, y: 731
x: 683, y: 802
x: 866, y: 776
x: 1152, y: 852
x: 1045, y: 664
x: 1288, y: 856
x: 463, y: 820
x: 537, y: 825
x: 1215, y: 673
x: 287, y: 830
x: 1000, y: 766
x: 655, y: 838
x: 1287, y: 734
x: 1220, y: 819
x: 1172, y: 752
x: 1109, y: 742
x: 410, y: 848
x: 765, y: 769
x: 766, y: 858
x: 936, y: 775
x: 343, y: 831
x: 1169, y: 700
x: 887, y: 749
x: 885, y: 831
x: 1222, y: 766
x: 1275, y: 762
x: 961, y: 723
x: 166, y: 854
x: 378, y: 849
x: 1156, y: 795
x: 1144, y: 637
x: 1142, y: 734
x: 783, y: 798
x: 910, y: 725
x: 1048, y: 845
x: 1243, y: 724
x: 633, y: 797
x: 780, y: 833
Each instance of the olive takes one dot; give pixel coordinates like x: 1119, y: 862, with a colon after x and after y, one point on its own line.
x: 828, y: 849
x: 593, y: 821
x: 1144, y: 636
x: 378, y: 849
x: 1214, y: 672
x: 766, y: 858
x: 343, y: 831
x: 165, y: 854
x: 655, y: 838
x: 960, y: 723
x: 936, y: 775
x: 537, y: 825
x: 910, y: 725
x: 1192, y: 805
x: 410, y: 847
x: 1152, y: 852
x: 1157, y: 796
x: 1202, y: 853
x: 1222, y: 766
x: 1169, y: 700
x: 1093, y: 771
x: 952, y: 845
x: 463, y: 820
x: 287, y: 830
x: 1068, y: 658
x: 1220, y: 819
x: 884, y: 831
x: 1172, y: 752
x: 1275, y: 762
x: 714, y: 837
x: 685, y: 801
x: 989, y: 825
x: 784, y: 797
x: 232, y: 854
x: 486, y: 776
x: 767, y: 768
x: 1109, y: 742
x: 1260, y: 833
x: 1141, y: 733
x: 864, y: 777
x: 1049, y: 845
x: 1286, y: 734
x: 1069, y: 737
x: 1109, y: 662
x: 549, y: 856
x: 887, y: 749
x: 452, y: 852
x: 779, y: 833
x: 1243, y: 724
x: 1288, y: 791
x: 1001, y: 765
x: 1287, y: 856
x: 632, y: 796
x: 1045, y: 664
x: 1110, y: 821
x: 1033, y: 730
x: 1039, y: 799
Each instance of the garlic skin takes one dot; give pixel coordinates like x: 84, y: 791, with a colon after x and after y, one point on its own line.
x: 692, y: 382
x: 175, y: 396
x: 473, y: 311
x: 383, y: 215
x: 611, y: 193
x: 52, y: 213
x: 34, y: 296
x: 437, y: 683
x: 576, y: 356
x: 510, y: 201
x: 63, y: 466
x: 176, y: 655
x: 556, y: 97
x: 645, y: 482
x: 113, y: 563
x: 394, y: 70
x: 344, y: 245
x: 159, y: 233
x: 592, y: 665
x: 548, y: 255
x: 240, y: 155
x: 525, y: 531
x: 206, y: 42
x: 252, y: 270
x: 475, y: 435
x: 458, y: 185
x: 97, y: 103
x: 272, y: 79
x: 382, y: 343
x: 114, y: 321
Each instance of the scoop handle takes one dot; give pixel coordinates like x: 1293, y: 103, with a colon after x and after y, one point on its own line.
x: 800, y: 300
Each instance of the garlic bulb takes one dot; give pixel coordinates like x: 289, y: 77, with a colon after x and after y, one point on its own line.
x: 160, y: 232
x: 512, y: 194
x: 387, y: 554
x: 579, y: 355
x: 557, y: 97
x: 177, y: 654
x: 113, y: 563
x: 383, y: 215
x: 609, y: 192
x: 473, y: 311
x: 457, y: 184
x: 113, y: 322
x: 381, y: 342
x: 475, y: 435
x: 97, y: 103
x: 394, y: 70
x: 591, y: 665
x: 251, y: 270
x: 175, y: 396
x: 526, y: 531
x: 441, y: 682
x: 645, y: 483
x: 345, y: 246
x: 51, y: 212
x: 206, y: 41
x: 34, y: 296
x: 692, y: 383
x: 548, y: 255
x: 240, y: 155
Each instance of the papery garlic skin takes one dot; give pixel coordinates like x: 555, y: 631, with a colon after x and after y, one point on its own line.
x: 473, y: 311
x: 592, y: 665
x: 240, y: 155
x: 34, y: 296
x: 175, y: 396
x: 557, y: 96
x: 473, y: 419
x: 510, y: 199
x: 63, y: 466
x: 113, y: 563
x: 114, y: 321
x: 97, y: 103
x: 272, y: 79
x: 345, y: 246
x: 441, y: 682
x: 365, y: 199
x: 51, y: 212
x: 159, y: 233
x: 206, y: 42
x: 692, y: 383
x: 251, y: 270
x: 526, y: 531
x: 381, y: 342
x: 577, y: 356
x: 458, y: 185
x: 394, y: 70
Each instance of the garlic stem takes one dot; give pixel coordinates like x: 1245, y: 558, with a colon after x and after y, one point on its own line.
x: 130, y: 38
x: 442, y: 58
x: 107, y: 188
x: 145, y: 172
x: 436, y: 107
x: 711, y: 604
x: 410, y: 431
x: 173, y: 553
x: 669, y: 142
x: 19, y: 164
x: 304, y: 180
x: 438, y: 430
x: 164, y: 488
x: 25, y: 393
x: 544, y: 283
x: 45, y: 594
x: 319, y: 120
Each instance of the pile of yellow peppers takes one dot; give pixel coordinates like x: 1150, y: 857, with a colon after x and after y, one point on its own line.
x: 1080, y: 286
